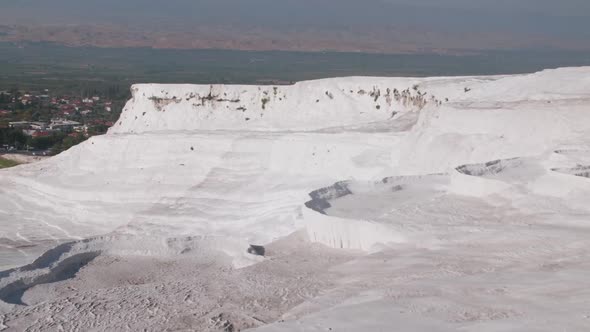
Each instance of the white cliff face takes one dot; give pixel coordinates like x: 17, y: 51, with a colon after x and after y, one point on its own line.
x: 333, y: 102
x: 303, y: 106
x: 473, y: 171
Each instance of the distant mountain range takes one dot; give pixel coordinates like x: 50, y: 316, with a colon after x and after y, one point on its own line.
x: 369, y: 40
x: 381, y: 26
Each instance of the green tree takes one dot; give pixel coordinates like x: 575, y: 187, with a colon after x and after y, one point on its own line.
x: 16, y: 138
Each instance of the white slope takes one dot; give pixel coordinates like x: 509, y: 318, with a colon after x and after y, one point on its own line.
x: 451, y: 197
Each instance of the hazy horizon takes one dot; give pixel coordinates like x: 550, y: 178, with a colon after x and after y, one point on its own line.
x: 504, y: 23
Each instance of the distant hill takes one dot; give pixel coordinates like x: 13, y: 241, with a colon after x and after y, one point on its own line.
x: 382, y: 26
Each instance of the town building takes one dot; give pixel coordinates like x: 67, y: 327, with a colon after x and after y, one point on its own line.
x: 63, y: 125
x: 19, y: 124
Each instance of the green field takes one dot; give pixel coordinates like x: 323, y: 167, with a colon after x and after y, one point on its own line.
x: 71, y: 70
x: 5, y: 163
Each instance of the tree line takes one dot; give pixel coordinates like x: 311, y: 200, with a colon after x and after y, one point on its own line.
x: 56, y: 142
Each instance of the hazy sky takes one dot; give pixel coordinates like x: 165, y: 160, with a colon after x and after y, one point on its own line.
x: 551, y: 18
